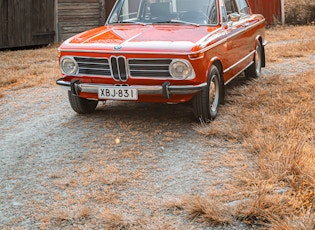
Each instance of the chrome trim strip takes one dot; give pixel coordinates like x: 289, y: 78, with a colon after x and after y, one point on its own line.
x: 239, y: 62
x: 238, y: 73
x: 247, y: 28
x: 210, y: 47
x: 128, y: 52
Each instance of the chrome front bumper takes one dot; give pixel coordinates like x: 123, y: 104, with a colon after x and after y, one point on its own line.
x: 166, y: 89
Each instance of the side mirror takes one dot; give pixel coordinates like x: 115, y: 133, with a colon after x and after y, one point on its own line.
x: 234, y: 17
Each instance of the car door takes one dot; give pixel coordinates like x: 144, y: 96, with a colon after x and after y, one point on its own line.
x: 237, y: 40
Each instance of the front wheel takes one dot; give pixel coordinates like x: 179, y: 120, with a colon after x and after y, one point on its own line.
x: 206, y: 103
x: 254, y: 70
x: 81, y: 105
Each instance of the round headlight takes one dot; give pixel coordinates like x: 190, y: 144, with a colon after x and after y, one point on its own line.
x: 69, y: 66
x: 181, y: 69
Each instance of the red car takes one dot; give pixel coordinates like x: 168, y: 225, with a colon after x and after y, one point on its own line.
x: 170, y: 51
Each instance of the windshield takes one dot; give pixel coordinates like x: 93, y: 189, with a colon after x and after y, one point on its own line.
x: 195, y: 12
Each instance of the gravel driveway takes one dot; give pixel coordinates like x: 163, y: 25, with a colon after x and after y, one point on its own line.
x: 116, y: 169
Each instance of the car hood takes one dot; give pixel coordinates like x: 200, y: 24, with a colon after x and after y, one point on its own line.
x: 141, y: 38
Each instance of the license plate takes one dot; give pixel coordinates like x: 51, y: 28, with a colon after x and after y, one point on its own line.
x: 118, y: 93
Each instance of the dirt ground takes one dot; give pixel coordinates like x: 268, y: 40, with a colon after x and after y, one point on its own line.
x: 119, y: 168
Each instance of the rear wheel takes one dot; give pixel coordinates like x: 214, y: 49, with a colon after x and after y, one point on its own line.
x: 254, y: 70
x: 206, y: 103
x: 81, y: 105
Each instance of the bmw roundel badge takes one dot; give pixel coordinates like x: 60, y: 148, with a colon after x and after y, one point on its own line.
x: 117, y: 47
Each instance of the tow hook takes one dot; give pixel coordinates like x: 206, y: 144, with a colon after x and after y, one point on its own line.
x: 74, y: 88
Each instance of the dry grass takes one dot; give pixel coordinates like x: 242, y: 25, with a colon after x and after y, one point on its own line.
x: 274, y: 119
x: 290, y: 41
x: 28, y: 68
x: 208, y: 210
x: 286, y: 33
x: 290, y: 50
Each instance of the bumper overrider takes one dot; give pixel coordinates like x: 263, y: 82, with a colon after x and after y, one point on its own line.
x: 166, y: 89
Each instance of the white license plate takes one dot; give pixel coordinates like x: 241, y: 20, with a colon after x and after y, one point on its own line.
x: 118, y: 93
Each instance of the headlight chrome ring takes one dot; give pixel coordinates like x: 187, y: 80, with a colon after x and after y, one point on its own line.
x: 181, y: 69
x: 69, y: 66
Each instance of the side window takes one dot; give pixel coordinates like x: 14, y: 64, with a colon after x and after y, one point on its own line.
x: 224, y: 14
x: 243, y: 7
x: 213, y: 13
x: 230, y: 6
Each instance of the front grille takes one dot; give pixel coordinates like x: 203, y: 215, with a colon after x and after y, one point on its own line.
x: 93, y: 66
x: 117, y: 68
x: 155, y: 68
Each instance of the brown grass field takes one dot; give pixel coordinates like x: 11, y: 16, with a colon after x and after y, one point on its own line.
x: 272, y: 118
x: 275, y: 121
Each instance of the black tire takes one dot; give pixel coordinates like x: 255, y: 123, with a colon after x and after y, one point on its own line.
x: 254, y: 70
x: 206, y: 103
x: 81, y: 105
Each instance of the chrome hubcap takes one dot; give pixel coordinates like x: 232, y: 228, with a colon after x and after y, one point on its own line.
x: 214, y: 93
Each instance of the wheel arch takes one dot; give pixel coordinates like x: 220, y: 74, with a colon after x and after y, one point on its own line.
x: 217, y: 62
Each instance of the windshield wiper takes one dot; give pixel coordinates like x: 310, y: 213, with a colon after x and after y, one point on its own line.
x: 131, y: 22
x: 177, y: 21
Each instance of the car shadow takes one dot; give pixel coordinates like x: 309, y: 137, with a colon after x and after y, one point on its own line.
x: 138, y: 114
x: 146, y: 113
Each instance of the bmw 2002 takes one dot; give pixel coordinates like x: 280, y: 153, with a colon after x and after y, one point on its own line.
x: 170, y: 51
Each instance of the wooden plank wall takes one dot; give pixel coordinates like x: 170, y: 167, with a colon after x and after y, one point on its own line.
x: 26, y: 23
x: 271, y: 9
x: 75, y: 16
x: 4, y: 22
